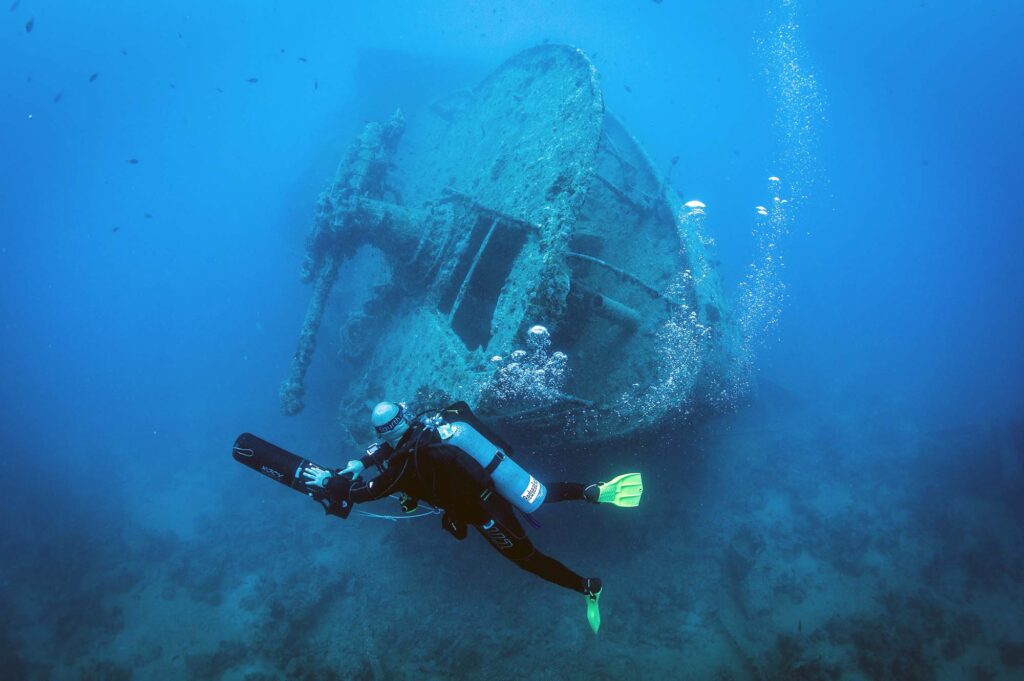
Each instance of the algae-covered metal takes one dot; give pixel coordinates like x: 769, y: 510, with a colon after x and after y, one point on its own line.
x: 520, y: 204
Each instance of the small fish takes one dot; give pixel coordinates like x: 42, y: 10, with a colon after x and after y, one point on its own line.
x: 282, y: 51
x: 179, y: 34
x: 253, y: 81
x: 628, y: 89
x: 800, y: 626
x: 148, y: 216
x: 675, y: 160
x: 218, y: 89
x: 30, y: 24
x: 14, y: 6
x: 56, y: 97
x: 124, y: 52
x: 133, y: 161
x: 316, y: 84
x: 173, y: 86
x: 303, y: 60
x: 115, y: 229
x: 93, y: 77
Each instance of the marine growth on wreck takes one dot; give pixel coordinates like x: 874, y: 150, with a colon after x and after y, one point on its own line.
x: 538, y: 265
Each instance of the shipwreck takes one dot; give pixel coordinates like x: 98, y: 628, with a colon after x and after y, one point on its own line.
x: 539, y: 265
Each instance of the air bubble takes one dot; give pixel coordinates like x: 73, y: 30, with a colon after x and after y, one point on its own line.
x: 530, y: 378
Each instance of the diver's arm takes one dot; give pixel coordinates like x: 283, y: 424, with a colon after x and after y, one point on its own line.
x: 381, y: 486
x: 376, y: 455
x: 343, y: 486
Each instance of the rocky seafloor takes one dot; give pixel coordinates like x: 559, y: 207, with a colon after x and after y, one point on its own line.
x: 787, y: 540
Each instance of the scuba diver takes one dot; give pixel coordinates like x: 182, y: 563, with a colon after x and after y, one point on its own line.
x: 454, y: 463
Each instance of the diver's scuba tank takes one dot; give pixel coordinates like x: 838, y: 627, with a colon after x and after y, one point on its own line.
x: 458, y: 426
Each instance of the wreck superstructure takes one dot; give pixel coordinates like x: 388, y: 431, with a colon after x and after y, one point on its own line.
x: 517, y: 204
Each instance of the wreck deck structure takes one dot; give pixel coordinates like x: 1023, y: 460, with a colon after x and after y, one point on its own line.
x: 518, y: 203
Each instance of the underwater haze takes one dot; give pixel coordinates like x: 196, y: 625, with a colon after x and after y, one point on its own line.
x: 848, y: 506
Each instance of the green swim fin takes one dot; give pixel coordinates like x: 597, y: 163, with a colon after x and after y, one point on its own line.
x: 624, y: 490
x: 593, y: 611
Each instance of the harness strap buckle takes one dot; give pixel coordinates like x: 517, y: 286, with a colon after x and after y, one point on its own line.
x: 499, y: 456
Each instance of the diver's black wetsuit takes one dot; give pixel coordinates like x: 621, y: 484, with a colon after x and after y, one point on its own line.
x: 426, y: 469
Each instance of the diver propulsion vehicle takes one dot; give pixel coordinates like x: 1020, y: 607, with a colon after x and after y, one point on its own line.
x: 521, y: 202
x: 284, y: 467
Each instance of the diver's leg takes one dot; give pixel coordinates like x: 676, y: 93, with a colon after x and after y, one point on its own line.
x: 564, y: 491
x: 508, y: 537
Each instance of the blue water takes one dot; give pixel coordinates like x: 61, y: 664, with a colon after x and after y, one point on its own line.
x: 150, y: 311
